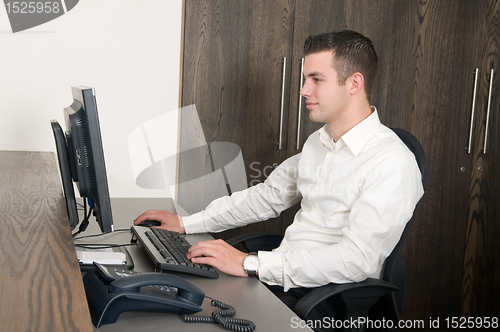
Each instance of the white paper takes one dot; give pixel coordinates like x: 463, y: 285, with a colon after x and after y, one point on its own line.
x: 101, y: 256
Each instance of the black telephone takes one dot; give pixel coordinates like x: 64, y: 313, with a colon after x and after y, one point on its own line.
x: 111, y: 291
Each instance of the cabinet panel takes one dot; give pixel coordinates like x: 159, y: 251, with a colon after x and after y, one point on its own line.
x: 430, y: 90
x: 233, y: 73
x: 480, y: 287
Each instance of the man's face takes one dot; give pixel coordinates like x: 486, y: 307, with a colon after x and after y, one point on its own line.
x: 326, y: 99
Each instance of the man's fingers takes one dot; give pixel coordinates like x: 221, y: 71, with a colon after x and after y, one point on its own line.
x: 202, y: 249
x: 140, y: 219
x: 220, y: 255
x: 205, y: 260
x: 151, y: 214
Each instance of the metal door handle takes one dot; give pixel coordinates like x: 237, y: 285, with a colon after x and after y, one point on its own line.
x: 488, y: 113
x: 282, y: 103
x: 472, y: 112
x: 300, y: 103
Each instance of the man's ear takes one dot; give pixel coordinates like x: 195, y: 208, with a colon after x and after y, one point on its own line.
x: 357, y: 83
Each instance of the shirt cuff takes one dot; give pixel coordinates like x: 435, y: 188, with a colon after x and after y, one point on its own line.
x: 271, y: 267
x: 194, y: 224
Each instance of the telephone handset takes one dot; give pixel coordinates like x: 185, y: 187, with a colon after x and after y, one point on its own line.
x: 112, y: 291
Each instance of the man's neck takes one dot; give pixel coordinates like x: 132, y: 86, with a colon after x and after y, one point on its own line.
x: 353, y: 117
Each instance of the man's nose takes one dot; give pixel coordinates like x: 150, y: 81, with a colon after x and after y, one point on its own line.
x: 305, y: 91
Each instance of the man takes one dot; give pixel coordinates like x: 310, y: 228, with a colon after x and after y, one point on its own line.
x: 358, y: 182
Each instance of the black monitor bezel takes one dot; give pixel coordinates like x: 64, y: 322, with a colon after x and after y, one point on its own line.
x: 64, y: 168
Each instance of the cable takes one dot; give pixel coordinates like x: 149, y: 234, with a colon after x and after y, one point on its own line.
x: 94, y: 246
x: 85, y: 222
x: 101, y: 234
x: 107, y: 246
x: 222, y: 317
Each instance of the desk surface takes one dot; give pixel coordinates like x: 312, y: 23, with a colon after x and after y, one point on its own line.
x: 40, y: 281
x: 251, y: 299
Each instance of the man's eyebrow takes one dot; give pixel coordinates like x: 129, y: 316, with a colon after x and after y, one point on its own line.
x: 315, y: 74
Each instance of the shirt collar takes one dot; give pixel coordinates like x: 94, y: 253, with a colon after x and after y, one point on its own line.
x: 326, y: 138
x: 356, y: 138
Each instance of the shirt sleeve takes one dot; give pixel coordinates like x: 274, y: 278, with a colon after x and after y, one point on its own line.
x: 388, y: 196
x: 263, y: 201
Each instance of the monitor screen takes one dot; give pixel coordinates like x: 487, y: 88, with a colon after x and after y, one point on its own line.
x: 84, y: 160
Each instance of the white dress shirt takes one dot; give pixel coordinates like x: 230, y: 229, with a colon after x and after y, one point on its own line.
x: 357, y: 196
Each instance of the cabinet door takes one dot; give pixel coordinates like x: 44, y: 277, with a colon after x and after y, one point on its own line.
x: 429, y: 92
x: 233, y: 74
x: 480, y: 286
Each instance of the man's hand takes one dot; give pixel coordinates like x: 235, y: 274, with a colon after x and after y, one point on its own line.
x: 220, y: 255
x: 168, y: 220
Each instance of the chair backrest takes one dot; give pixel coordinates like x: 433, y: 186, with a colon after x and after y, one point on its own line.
x: 394, y: 268
x: 414, y: 145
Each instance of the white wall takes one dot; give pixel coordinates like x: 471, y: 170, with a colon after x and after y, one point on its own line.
x: 128, y: 50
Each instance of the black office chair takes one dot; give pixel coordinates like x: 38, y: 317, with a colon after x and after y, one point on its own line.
x: 384, y: 295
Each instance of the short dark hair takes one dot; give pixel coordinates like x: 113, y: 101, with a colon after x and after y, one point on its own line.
x: 353, y: 53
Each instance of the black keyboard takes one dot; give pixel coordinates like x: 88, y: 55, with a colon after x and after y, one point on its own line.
x: 168, y: 251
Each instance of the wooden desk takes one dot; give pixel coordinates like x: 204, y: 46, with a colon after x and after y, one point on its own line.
x: 40, y: 281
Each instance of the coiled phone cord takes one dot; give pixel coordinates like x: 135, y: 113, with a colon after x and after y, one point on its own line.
x: 223, y: 318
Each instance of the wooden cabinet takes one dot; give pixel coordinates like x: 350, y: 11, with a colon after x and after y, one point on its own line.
x: 431, y: 88
x: 437, y: 47
x: 481, y: 272
x: 428, y: 51
x: 235, y: 74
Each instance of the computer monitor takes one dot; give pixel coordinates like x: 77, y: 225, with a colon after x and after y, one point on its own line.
x: 64, y: 168
x: 81, y: 160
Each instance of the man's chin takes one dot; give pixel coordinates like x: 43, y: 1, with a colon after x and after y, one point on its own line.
x: 313, y: 117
